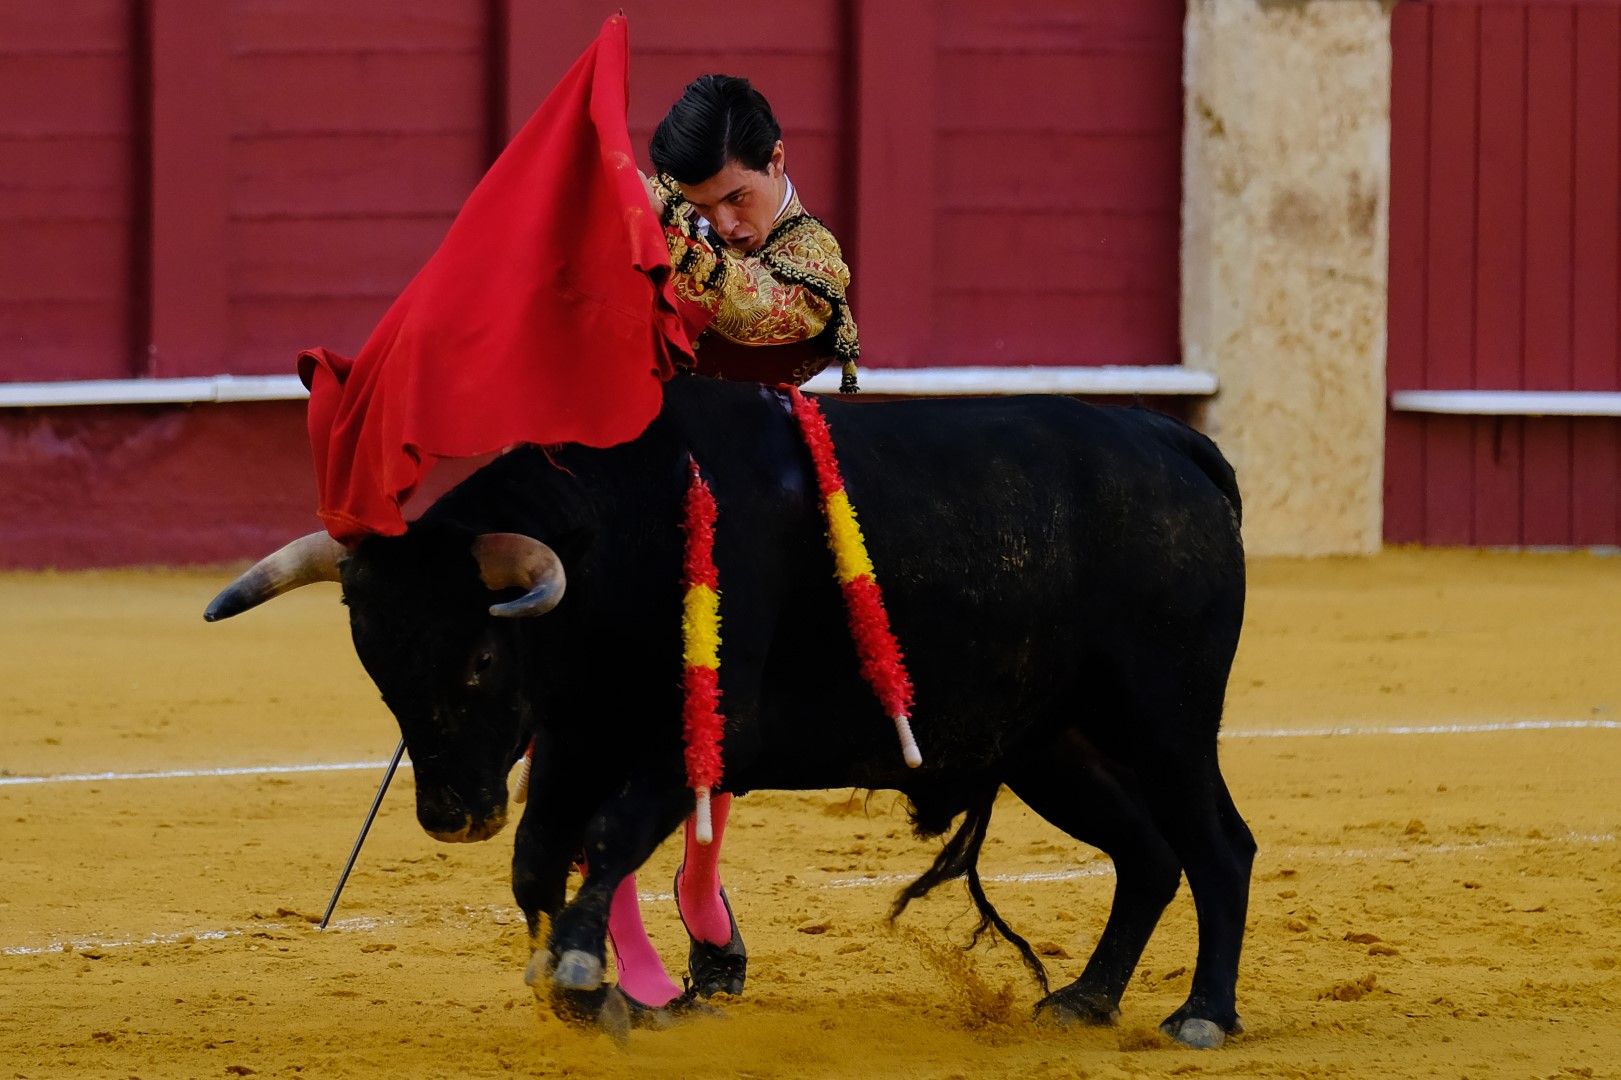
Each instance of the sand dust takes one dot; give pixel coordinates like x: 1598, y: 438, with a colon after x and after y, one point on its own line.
x: 1423, y: 904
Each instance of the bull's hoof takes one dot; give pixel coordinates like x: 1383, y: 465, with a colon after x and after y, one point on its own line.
x: 1071, y: 1006
x: 577, y: 970
x: 1196, y: 1033
x: 539, y: 969
x: 582, y: 1008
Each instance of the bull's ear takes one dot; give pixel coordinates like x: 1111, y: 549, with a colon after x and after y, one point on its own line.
x: 512, y: 560
x: 306, y: 560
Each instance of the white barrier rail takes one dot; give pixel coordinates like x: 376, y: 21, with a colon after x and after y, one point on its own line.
x: 1124, y: 380
x: 1163, y: 380
x: 152, y: 391
x: 1508, y: 402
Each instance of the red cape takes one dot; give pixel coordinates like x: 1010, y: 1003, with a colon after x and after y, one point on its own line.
x: 546, y: 316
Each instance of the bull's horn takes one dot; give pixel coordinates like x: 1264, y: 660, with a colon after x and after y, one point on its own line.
x: 306, y: 560
x: 512, y: 560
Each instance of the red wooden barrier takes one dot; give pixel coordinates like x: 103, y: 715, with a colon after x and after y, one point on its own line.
x: 1504, y: 246
x: 200, y: 188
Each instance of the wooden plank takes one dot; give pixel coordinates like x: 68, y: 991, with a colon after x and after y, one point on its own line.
x: 981, y: 86
x: 185, y: 221
x: 1597, y: 248
x: 1500, y: 264
x: 307, y: 93
x: 1549, y: 217
x: 378, y: 26
x: 208, y: 484
x: 1409, y: 249
x: 1449, y: 345
x: 1097, y: 26
x: 82, y: 260
x: 1450, y: 270
x: 1404, y: 478
x: 1546, y: 501
x: 267, y: 332
x: 1088, y: 251
x: 293, y: 257
x: 769, y: 30
x: 1498, y: 443
x: 1595, y: 481
x: 1499, y: 337
x: 64, y: 339
x: 805, y: 91
x: 1055, y: 328
x: 895, y: 145
x: 542, y: 42
x: 991, y: 171
x: 64, y: 27
x: 65, y: 190
x: 77, y: 178
x: 1546, y: 504
x: 45, y: 95
x: 1409, y: 201
x: 1449, y: 480
x: 306, y: 176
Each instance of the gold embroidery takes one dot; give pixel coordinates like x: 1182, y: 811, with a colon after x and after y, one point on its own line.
x: 792, y: 289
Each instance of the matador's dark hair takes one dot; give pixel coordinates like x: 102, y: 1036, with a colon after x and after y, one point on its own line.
x: 719, y: 118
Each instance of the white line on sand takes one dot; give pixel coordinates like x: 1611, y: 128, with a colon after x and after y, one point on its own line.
x: 182, y: 936
x: 1256, y: 733
x: 1426, y: 729
x: 501, y: 914
x: 188, y: 774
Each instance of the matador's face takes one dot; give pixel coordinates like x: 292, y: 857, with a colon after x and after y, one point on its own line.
x: 741, y: 203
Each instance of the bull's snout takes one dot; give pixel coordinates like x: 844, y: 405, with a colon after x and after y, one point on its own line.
x: 444, y: 816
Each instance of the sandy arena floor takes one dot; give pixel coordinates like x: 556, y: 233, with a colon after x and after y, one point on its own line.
x: 1426, y: 903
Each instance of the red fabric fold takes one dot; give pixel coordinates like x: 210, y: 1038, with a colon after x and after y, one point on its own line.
x: 545, y: 316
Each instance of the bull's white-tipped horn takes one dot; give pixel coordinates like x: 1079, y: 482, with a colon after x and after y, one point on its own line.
x: 512, y: 560
x: 305, y: 561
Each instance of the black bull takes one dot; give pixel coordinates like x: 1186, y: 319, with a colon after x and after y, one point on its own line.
x: 1067, y: 583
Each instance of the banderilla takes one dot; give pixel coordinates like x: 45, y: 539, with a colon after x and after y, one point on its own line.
x: 365, y: 827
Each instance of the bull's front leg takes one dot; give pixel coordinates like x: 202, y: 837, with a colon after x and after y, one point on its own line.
x: 550, y: 836
x: 623, y: 833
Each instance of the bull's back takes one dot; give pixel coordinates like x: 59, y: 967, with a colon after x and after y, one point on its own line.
x: 1033, y: 487
x: 1026, y: 546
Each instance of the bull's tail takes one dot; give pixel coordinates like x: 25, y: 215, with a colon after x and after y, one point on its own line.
x: 959, y: 858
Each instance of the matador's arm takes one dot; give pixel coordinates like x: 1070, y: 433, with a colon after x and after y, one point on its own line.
x: 786, y: 293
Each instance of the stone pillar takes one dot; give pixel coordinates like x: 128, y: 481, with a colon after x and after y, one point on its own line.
x: 1286, y: 167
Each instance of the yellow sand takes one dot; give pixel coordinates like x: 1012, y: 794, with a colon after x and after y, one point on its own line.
x: 1424, y: 904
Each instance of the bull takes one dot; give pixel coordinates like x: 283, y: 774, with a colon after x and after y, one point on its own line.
x: 1067, y: 581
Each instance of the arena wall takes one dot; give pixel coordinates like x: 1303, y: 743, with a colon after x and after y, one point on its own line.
x: 191, y: 191
x: 1284, y: 276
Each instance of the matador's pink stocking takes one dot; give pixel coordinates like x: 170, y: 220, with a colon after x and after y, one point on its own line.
x: 698, y: 882
x: 641, y: 972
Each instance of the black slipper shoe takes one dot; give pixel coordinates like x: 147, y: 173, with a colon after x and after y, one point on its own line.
x: 715, y: 969
x: 685, y: 1006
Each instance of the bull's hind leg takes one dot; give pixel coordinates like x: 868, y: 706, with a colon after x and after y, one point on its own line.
x: 1067, y: 784
x: 1197, y: 815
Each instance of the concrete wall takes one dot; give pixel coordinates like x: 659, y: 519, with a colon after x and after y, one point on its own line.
x: 1284, y: 229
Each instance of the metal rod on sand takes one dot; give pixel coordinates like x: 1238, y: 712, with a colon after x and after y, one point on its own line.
x: 371, y: 815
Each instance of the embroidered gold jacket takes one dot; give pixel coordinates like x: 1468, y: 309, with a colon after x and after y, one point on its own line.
x: 791, y: 291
